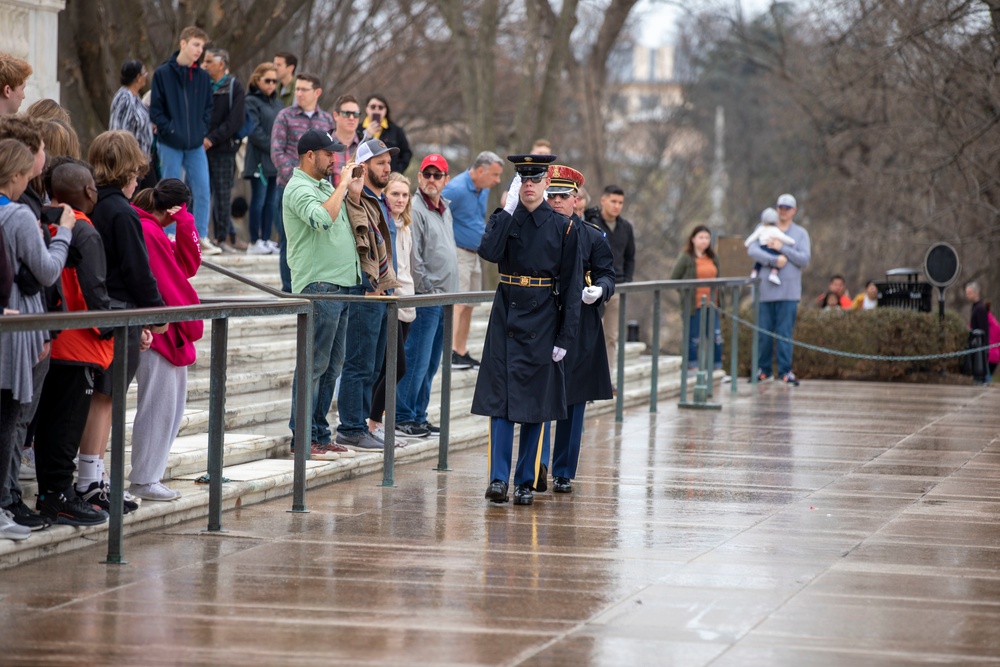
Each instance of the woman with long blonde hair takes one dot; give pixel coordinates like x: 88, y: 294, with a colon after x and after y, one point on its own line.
x: 397, y: 192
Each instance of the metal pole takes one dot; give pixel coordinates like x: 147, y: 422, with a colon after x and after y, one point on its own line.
x: 302, y: 438
x: 754, y: 368
x: 710, y: 342
x: 117, y: 499
x: 655, y: 371
x: 734, y: 342
x: 622, y: 335
x: 686, y: 324
x: 391, y: 350
x: 216, y: 422
x: 449, y: 314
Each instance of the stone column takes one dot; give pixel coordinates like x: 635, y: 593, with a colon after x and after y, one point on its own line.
x: 29, y: 29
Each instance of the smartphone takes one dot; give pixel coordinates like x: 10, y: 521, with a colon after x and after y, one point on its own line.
x: 377, y: 117
x: 358, y: 172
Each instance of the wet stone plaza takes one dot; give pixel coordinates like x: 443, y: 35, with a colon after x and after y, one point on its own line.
x: 835, y: 523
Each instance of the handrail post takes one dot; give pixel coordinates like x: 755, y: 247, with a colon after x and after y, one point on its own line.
x: 655, y: 370
x: 622, y: 335
x: 734, y: 341
x: 699, y: 400
x: 710, y: 341
x: 445, y: 434
x: 117, y: 498
x: 391, y: 350
x: 216, y: 421
x: 754, y: 367
x: 302, y: 438
x: 685, y: 354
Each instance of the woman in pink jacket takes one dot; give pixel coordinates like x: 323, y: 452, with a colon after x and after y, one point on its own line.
x: 162, y: 374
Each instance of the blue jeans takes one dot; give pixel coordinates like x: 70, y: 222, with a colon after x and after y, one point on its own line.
x: 262, y: 202
x: 693, y: 340
x: 423, y: 355
x: 779, y: 317
x: 279, y: 222
x: 366, y: 335
x: 194, y: 164
x: 330, y: 323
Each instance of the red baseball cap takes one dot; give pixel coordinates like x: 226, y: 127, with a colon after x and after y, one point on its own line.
x: 435, y: 160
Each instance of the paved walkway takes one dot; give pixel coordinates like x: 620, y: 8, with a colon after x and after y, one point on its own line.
x: 837, y: 523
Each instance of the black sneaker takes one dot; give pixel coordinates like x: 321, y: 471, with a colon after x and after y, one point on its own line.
x: 467, y: 359
x: 97, y: 496
x: 58, y: 508
x: 412, y: 430
x: 458, y: 361
x: 23, y: 516
x: 431, y: 428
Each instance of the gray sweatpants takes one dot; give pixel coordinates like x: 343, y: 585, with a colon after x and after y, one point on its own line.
x: 162, y: 389
x: 11, y: 491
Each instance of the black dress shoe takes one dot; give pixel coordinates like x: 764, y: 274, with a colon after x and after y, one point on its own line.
x: 497, y: 493
x: 523, y: 494
x: 543, y: 479
x: 561, y: 485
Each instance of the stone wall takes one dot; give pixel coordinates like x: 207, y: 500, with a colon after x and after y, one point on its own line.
x: 29, y: 29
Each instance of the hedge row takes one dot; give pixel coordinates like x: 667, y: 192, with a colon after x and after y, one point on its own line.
x: 882, y: 332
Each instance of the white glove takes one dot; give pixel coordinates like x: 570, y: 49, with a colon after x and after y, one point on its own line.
x: 513, y: 194
x: 557, y: 354
x: 592, y: 294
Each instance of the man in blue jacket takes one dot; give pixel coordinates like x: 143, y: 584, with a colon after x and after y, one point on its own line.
x: 181, y: 109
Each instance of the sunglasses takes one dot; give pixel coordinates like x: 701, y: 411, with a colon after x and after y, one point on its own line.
x: 436, y: 175
x: 350, y: 114
x: 269, y: 80
x: 376, y: 106
x: 559, y: 195
x: 533, y: 179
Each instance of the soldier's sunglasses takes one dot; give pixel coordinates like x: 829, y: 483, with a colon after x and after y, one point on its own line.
x: 533, y: 179
x: 560, y: 195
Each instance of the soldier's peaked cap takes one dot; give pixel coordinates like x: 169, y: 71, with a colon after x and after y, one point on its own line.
x: 531, y: 165
x: 564, y: 179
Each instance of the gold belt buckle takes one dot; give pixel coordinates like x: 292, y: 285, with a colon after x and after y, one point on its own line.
x: 525, y: 281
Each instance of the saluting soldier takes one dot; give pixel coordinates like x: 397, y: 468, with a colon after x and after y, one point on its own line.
x: 586, y: 365
x: 534, y: 320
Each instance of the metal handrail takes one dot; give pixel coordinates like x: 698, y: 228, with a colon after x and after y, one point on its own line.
x: 216, y: 310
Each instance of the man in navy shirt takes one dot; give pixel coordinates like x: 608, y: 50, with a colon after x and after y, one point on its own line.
x: 467, y: 194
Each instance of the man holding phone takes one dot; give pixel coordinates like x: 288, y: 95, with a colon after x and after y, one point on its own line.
x: 323, y: 259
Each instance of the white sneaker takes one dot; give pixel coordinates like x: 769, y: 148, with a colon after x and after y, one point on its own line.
x: 10, y: 529
x: 209, y: 248
x: 773, y: 278
x: 27, y: 471
x: 259, y: 248
x: 275, y: 247
x: 154, y: 491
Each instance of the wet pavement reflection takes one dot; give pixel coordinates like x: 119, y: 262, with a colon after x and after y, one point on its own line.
x: 835, y: 523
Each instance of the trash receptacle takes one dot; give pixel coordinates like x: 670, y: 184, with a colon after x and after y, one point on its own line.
x: 633, y: 332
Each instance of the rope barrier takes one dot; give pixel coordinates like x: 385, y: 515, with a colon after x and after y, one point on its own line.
x: 851, y: 355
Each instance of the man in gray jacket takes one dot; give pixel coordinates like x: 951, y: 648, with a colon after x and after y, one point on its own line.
x: 434, y: 267
x: 779, y: 303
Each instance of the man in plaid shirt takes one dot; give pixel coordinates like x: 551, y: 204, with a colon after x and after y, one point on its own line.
x: 289, y: 126
x: 347, y: 114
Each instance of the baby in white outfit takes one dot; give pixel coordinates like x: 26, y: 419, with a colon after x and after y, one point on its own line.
x: 767, y: 230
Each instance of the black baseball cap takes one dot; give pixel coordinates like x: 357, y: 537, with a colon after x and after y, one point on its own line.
x: 317, y: 140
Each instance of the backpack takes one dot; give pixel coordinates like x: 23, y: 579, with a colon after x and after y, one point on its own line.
x: 248, y: 122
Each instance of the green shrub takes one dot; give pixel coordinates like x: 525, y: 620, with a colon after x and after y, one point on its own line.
x: 883, y: 332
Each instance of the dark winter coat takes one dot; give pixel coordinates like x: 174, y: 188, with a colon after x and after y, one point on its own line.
x: 129, y: 281
x: 587, y: 374
x: 621, y: 240
x: 227, y: 117
x: 263, y: 110
x: 180, y: 104
x: 518, y: 379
